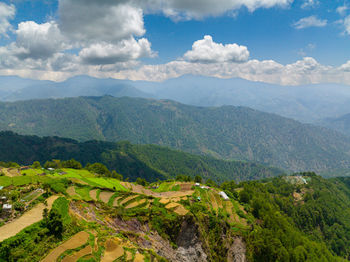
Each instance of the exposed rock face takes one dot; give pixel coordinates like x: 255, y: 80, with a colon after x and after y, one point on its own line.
x: 237, y: 251
x: 190, y: 247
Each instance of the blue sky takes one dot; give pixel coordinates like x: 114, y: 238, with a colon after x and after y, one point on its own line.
x: 277, y: 41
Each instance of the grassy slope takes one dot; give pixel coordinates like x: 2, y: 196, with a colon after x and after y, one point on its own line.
x: 150, y: 162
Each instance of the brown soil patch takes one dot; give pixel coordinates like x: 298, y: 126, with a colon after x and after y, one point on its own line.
x: 128, y: 255
x: 75, y: 241
x: 172, y: 205
x: 10, y: 172
x: 73, y: 258
x: 113, y: 250
x: 136, y: 203
x: 93, y: 194
x: 186, y: 186
x: 164, y: 201
x: 71, y: 191
x: 175, y: 199
x: 180, y: 210
x: 105, y: 196
x: 139, y: 258
x: 32, y: 216
x: 127, y: 199
x: 115, y: 202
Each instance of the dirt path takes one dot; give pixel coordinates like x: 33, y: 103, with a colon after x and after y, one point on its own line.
x: 32, y: 216
x: 105, y: 196
x: 75, y: 241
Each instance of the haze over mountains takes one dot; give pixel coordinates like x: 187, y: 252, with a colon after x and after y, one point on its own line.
x: 309, y: 103
x: 225, y: 132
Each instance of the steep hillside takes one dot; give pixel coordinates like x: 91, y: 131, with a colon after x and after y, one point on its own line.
x: 74, y: 215
x: 146, y: 161
x: 226, y: 132
x: 340, y: 124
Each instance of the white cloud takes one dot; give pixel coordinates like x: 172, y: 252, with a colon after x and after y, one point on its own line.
x: 125, y: 50
x: 311, y: 21
x: 207, y: 51
x: 197, y: 9
x: 88, y: 21
x: 7, y: 12
x: 310, y: 3
x: 342, y: 9
x: 347, y: 24
x: 38, y: 41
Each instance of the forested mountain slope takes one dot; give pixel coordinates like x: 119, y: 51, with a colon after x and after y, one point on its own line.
x: 226, y: 132
x: 145, y: 161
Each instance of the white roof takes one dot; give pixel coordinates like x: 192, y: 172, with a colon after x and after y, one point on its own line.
x: 223, y: 195
x: 196, y: 184
x: 7, y: 206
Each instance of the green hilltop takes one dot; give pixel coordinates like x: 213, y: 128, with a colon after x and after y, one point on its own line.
x: 150, y: 162
x: 226, y: 132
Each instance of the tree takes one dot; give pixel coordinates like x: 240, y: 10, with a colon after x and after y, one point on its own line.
x: 98, y: 168
x: 198, y: 179
x: 36, y: 165
x: 72, y: 164
x: 19, y: 206
x: 55, y: 223
x: 117, y: 175
x: 141, y: 181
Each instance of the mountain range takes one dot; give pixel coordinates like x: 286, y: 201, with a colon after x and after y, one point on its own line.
x: 226, y: 132
x: 307, y: 103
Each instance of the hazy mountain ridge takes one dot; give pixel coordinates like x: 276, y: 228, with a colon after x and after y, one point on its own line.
x: 227, y: 132
x: 307, y: 103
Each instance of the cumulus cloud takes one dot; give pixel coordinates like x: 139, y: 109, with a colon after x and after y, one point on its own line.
x: 197, y: 9
x: 310, y: 3
x: 88, y: 21
x: 38, y: 41
x: 7, y: 12
x: 342, y: 9
x: 207, y: 51
x: 310, y: 21
x: 126, y: 50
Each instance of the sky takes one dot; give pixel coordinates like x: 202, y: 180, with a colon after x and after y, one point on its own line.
x: 286, y: 42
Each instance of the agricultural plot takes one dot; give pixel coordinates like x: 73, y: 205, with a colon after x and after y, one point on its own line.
x: 105, y: 196
x: 32, y: 216
x: 93, y: 194
x: 113, y: 250
x: 76, y: 241
x: 83, y: 252
x: 10, y: 172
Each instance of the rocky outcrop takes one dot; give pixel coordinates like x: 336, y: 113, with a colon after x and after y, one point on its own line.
x: 237, y: 251
x: 189, y: 245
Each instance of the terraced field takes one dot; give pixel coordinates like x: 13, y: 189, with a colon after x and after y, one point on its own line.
x: 76, y: 241
x: 32, y: 216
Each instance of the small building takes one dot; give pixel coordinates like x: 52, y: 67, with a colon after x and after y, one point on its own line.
x: 197, y: 184
x: 224, y: 196
x: 51, y: 169
x: 204, y: 187
x: 3, y: 199
x: 24, y: 168
x: 7, y: 207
